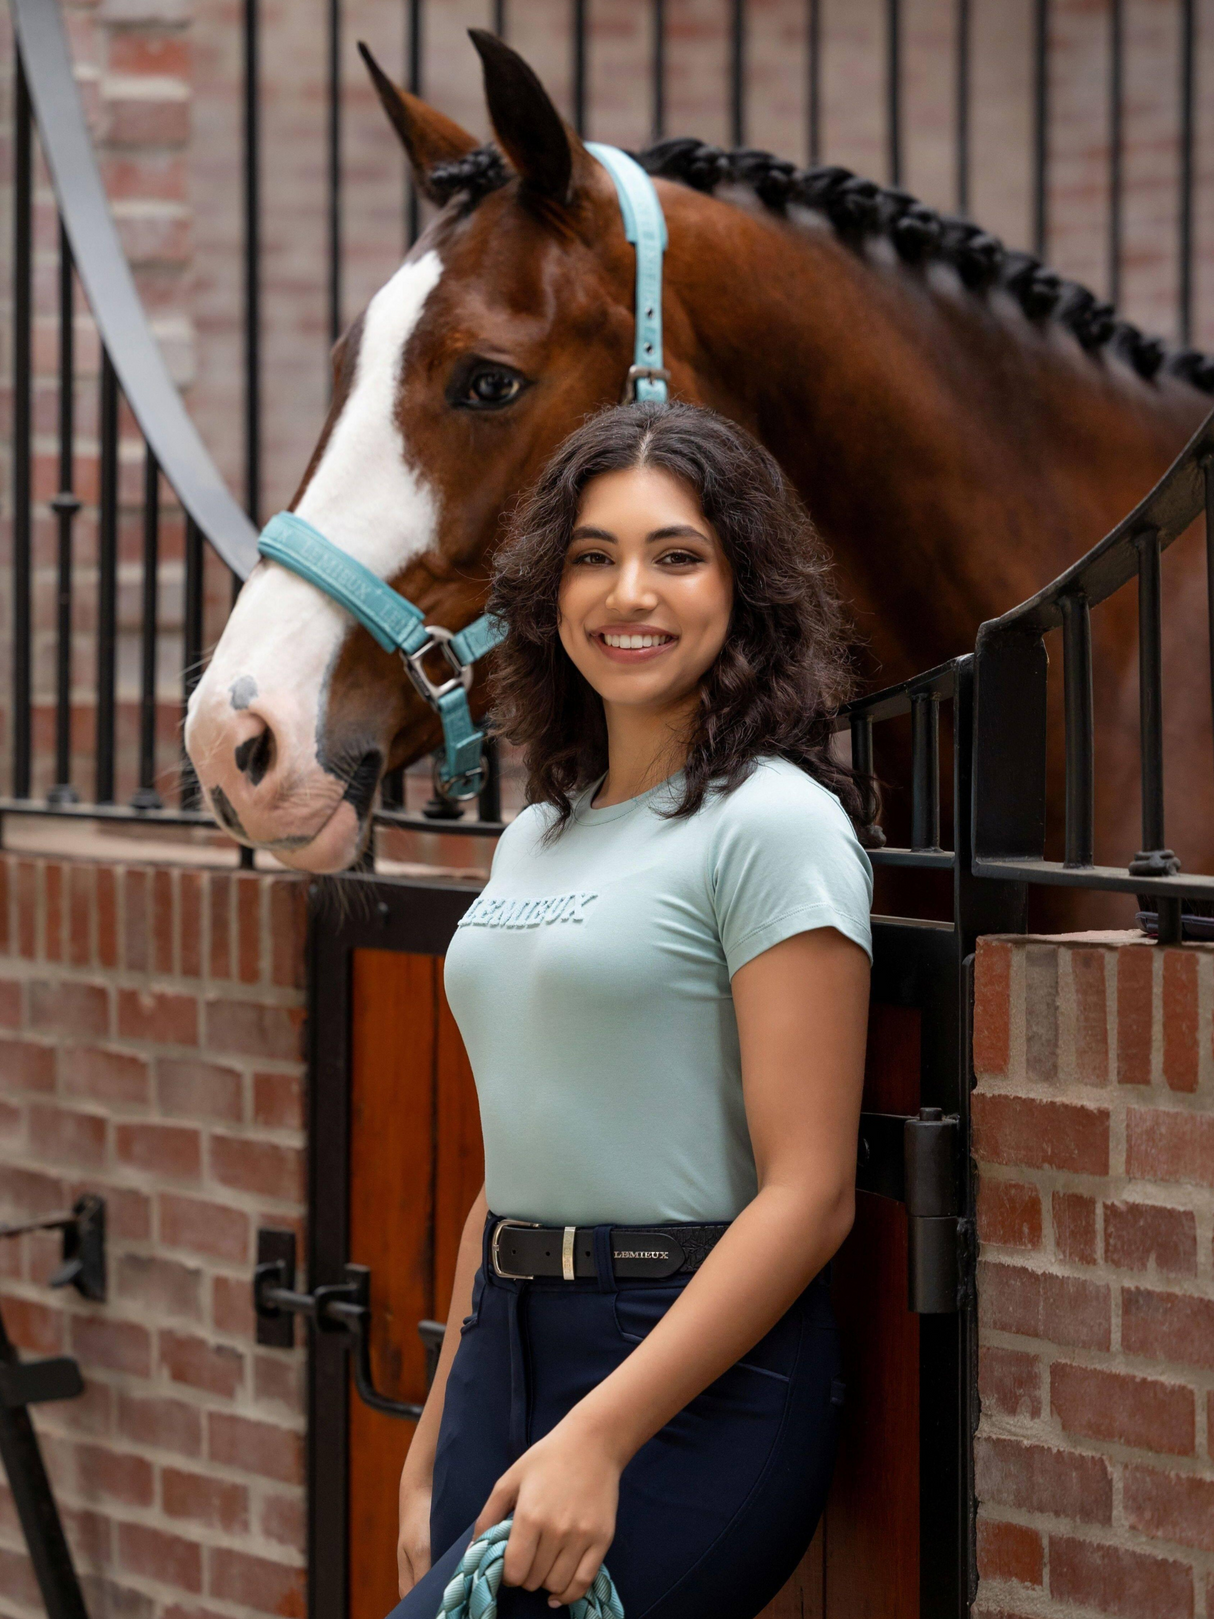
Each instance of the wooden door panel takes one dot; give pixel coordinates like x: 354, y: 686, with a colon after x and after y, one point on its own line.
x: 416, y: 1165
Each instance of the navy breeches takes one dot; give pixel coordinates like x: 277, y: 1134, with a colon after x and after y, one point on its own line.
x: 715, y: 1511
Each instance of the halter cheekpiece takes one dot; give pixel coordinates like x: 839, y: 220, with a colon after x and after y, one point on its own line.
x: 394, y: 621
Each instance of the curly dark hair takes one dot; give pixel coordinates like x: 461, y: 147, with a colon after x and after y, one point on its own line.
x: 783, y: 669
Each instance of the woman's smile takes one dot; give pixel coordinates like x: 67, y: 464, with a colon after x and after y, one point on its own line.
x: 632, y: 643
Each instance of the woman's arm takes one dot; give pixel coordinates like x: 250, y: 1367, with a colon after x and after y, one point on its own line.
x: 802, y: 1017
x: 413, y: 1541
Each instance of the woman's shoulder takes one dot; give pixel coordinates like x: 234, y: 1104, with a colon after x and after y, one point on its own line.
x: 778, y: 793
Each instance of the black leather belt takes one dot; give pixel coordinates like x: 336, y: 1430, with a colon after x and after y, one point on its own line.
x: 520, y: 1251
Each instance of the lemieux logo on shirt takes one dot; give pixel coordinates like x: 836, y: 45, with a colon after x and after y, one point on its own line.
x: 525, y: 913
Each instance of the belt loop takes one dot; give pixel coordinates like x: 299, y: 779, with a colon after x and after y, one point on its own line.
x: 568, y: 1269
x: 603, y: 1263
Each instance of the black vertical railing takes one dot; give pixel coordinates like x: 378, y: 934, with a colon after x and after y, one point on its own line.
x: 893, y: 90
x: 333, y: 163
x: 579, y: 64
x: 657, y: 71
x: 1077, y: 705
x: 1041, y: 125
x: 925, y: 770
x: 192, y: 645
x: 813, y: 88
x: 251, y: 102
x: 413, y: 79
x: 107, y: 579
x: 961, y: 108
x: 737, y: 72
x: 1116, y: 143
x: 23, y: 295
x: 146, y: 796
x: 65, y: 504
x: 1184, y: 233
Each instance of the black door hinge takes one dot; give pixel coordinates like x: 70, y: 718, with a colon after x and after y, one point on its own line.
x: 915, y: 1161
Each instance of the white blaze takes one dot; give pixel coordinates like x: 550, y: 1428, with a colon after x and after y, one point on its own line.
x: 365, y: 497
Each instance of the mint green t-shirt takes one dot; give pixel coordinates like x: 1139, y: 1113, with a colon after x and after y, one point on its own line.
x: 590, y: 981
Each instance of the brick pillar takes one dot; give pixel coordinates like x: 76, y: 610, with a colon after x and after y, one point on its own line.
x: 1094, y: 1140
x: 150, y: 1049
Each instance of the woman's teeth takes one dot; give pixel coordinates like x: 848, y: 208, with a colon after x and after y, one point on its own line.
x: 634, y: 642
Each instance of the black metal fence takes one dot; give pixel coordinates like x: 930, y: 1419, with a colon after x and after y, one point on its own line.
x: 181, y: 491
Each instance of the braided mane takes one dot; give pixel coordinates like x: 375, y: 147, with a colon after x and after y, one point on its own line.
x: 859, y: 208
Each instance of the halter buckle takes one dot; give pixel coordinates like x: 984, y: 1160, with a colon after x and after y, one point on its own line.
x: 642, y: 373
x: 432, y: 690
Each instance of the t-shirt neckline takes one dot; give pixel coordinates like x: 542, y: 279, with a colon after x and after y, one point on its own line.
x: 585, y: 814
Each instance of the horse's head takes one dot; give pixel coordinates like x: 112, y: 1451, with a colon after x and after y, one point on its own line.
x: 509, y: 320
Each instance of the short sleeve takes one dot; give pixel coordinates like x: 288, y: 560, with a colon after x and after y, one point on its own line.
x: 786, y: 860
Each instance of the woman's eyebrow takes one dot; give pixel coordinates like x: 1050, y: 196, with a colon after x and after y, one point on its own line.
x: 587, y: 532
x: 677, y: 531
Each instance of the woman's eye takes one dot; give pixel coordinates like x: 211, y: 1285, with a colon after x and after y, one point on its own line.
x: 592, y: 558
x: 490, y: 387
x: 680, y: 558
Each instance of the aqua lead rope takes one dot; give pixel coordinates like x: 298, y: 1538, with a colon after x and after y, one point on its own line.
x: 472, y: 1591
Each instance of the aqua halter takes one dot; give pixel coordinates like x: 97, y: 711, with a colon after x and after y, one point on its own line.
x: 394, y: 621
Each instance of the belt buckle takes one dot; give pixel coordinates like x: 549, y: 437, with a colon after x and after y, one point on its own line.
x: 519, y: 1225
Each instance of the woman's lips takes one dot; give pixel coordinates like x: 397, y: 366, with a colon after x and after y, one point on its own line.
x: 631, y: 654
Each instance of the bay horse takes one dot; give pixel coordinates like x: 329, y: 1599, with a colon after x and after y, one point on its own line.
x: 960, y: 422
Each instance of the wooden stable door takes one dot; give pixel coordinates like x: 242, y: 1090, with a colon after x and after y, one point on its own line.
x: 414, y: 1167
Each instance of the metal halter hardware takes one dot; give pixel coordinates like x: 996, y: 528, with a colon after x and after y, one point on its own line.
x: 397, y: 623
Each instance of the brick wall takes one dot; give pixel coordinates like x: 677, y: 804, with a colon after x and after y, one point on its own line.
x: 1094, y: 1138
x: 150, y: 1045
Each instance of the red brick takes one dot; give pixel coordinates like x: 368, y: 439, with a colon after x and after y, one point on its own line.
x: 156, y: 1556
x: 214, y: 1367
x: 135, y: 951
x: 1139, y: 1235
x: 283, y: 1519
x: 1038, y: 1479
x: 80, y: 908
x: 144, y: 121
x: 288, y: 931
x: 89, y: 1535
x: 260, y: 1167
x: 255, y: 1447
x: 17, y: 1579
x: 36, y: 1328
x: 1137, y: 1411
x: 1135, y: 1015
x: 232, y: 1306
x: 119, y: 1346
x: 248, y: 926
x: 253, y: 1030
x: 90, y: 1413
x: 256, y: 1582
x: 53, y: 936
x: 101, y: 1470
x: 1180, y: 1057
x: 128, y: 1213
x: 11, y: 1014
x: 204, y: 1228
x: 192, y: 1088
x: 1091, y: 1016
x: 1074, y: 1227
x: 28, y: 1192
x: 170, y: 1020
x: 27, y: 908
x: 161, y: 1424
x: 162, y: 920
x: 26, y: 1066
x: 1009, y: 1213
x: 278, y: 1101
x: 171, y: 1150
x: 1009, y: 1551
x: 216, y: 1503
x: 1040, y: 1304
x: 1041, y: 1012
x: 1041, y: 1135
x: 70, y: 1008
x: 165, y: 1285
x: 1167, y: 1326
x: 4, y: 905
x: 1170, y: 1145
x: 278, y: 1381
x: 221, y: 926
x: 138, y: 51
x: 1114, y: 1580
x: 12, y: 1118
x: 992, y: 1007
x: 107, y: 917
x: 104, y: 1076
x: 1170, y: 1506
x: 66, y: 1136
x: 189, y: 930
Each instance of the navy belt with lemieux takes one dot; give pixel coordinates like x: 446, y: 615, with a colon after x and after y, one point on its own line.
x: 522, y: 1252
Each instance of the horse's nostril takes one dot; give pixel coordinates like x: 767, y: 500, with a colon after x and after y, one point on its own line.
x: 255, y: 756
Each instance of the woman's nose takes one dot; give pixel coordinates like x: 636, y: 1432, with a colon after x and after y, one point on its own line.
x: 632, y: 586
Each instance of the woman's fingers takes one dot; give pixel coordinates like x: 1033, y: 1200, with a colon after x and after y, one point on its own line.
x: 588, y: 1566
x: 500, y: 1503
x: 520, y: 1551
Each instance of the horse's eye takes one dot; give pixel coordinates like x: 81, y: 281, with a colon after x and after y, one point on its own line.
x: 491, y: 386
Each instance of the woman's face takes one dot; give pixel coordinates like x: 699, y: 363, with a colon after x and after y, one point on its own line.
x: 646, y: 590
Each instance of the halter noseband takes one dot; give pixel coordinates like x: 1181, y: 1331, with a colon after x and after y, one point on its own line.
x: 394, y: 621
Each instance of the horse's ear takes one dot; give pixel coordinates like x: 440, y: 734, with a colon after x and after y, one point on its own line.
x: 547, y: 154
x: 429, y: 138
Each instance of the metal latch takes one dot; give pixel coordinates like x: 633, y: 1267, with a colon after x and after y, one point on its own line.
x: 341, y: 1307
x: 914, y: 1160
x: 83, y: 1229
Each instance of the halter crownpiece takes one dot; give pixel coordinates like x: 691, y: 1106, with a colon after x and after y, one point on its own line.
x: 397, y: 623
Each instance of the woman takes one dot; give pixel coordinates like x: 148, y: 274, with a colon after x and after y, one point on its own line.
x: 663, y: 992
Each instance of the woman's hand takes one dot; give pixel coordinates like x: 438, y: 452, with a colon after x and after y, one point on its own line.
x: 563, y: 1492
x: 413, y: 1538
